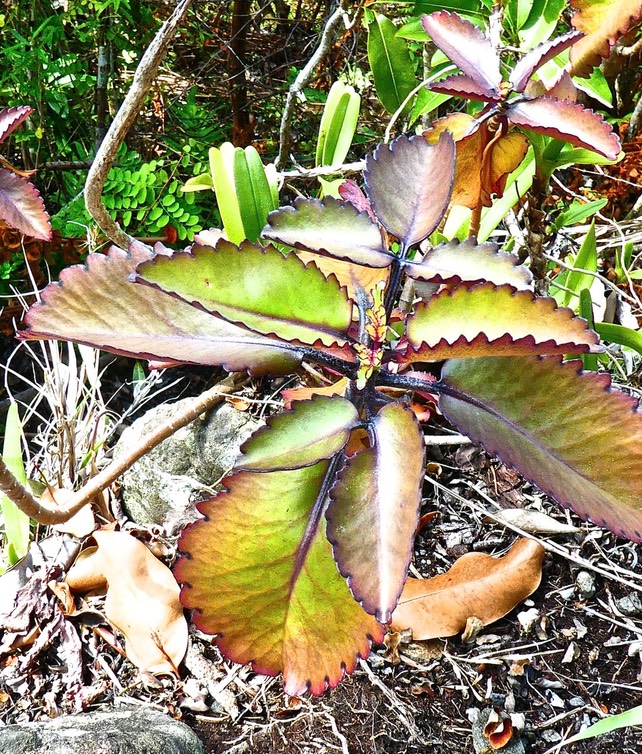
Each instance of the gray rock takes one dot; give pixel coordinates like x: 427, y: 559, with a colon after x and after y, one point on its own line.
x: 139, y: 731
x: 162, y: 486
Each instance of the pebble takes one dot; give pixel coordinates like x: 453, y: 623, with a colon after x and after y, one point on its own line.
x: 585, y: 585
x: 630, y: 605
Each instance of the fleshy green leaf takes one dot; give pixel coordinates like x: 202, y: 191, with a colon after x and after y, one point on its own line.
x: 569, y: 433
x: 252, y: 190
x: 568, y: 121
x: 375, y: 508
x: 11, y: 118
x: 201, y: 182
x: 98, y: 306
x: 470, y: 262
x: 390, y: 63
x: 22, y: 207
x: 621, y: 334
x: 330, y: 226
x: 274, y: 596
x: 338, y: 124
x: 536, y: 58
x: 467, y: 46
x: 409, y: 182
x: 486, y: 320
x: 260, y: 288
x: 312, y: 430
x: 222, y: 170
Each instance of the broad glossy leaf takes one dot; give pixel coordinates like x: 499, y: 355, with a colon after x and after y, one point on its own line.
x: 274, y: 595
x: 486, y: 320
x: 604, y: 22
x: 470, y: 262
x: 467, y: 46
x: 22, y: 207
x: 392, y: 69
x: 409, y: 182
x: 572, y: 435
x: 568, y: 121
x: 97, y: 305
x: 477, y: 586
x: 330, y: 226
x: 461, y: 85
x: 536, y: 58
x: 11, y: 118
x: 260, y: 288
x: 310, y: 431
x: 375, y: 508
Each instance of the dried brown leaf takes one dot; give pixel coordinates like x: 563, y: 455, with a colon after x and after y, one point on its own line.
x: 142, y: 599
x: 477, y: 585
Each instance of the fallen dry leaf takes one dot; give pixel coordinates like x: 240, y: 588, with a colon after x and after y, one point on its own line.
x: 142, y: 599
x: 477, y: 585
x: 305, y: 393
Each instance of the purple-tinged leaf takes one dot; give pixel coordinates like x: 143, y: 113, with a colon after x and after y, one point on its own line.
x: 22, y: 207
x: 461, y: 85
x: 334, y: 227
x: 409, y: 182
x: 375, y: 508
x: 536, y: 58
x: 470, y: 262
x: 260, y: 288
x: 569, y: 432
x: 467, y: 46
x: 487, y: 320
x: 312, y: 430
x: 11, y: 118
x: 97, y: 305
x: 351, y: 192
x: 274, y: 596
x: 562, y: 88
x: 567, y: 121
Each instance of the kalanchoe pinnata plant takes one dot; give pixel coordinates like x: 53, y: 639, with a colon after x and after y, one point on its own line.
x: 20, y: 204
x: 519, y: 110
x: 299, y: 563
x: 518, y: 100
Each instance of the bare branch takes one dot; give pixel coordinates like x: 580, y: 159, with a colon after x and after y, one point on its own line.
x: 303, y: 79
x: 123, y: 120
x: 45, y: 513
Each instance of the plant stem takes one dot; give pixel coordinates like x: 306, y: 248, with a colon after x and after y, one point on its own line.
x: 123, y: 120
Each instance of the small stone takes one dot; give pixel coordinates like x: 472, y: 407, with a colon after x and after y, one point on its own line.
x: 585, y: 585
x: 630, y: 605
x: 162, y: 486
x: 139, y: 731
x: 528, y: 618
x: 576, y: 702
x: 567, y: 594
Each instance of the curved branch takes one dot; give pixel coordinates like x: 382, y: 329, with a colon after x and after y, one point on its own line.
x: 303, y: 79
x: 123, y: 120
x: 46, y: 513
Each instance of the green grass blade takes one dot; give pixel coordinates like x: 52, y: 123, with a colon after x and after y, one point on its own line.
x: 16, y: 523
x: 226, y: 193
x: 586, y: 311
x: 625, y: 336
x: 609, y: 724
